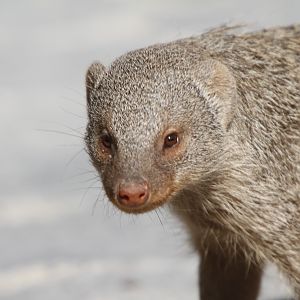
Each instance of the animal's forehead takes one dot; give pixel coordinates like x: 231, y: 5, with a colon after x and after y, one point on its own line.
x: 140, y: 93
x: 143, y: 88
x: 137, y: 112
x: 145, y: 71
x: 146, y: 67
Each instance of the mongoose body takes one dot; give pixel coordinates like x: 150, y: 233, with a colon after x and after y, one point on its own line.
x: 209, y: 126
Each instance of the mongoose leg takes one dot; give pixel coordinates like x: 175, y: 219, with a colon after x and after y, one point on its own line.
x: 221, y: 279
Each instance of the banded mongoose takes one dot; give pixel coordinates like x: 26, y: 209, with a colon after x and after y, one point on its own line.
x: 209, y: 126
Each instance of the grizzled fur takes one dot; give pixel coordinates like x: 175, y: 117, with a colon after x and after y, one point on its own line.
x: 234, y: 177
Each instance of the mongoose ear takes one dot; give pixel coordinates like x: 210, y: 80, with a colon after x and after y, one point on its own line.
x: 218, y: 86
x: 92, y: 79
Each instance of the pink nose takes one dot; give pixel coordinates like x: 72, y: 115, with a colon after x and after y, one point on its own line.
x: 133, y: 194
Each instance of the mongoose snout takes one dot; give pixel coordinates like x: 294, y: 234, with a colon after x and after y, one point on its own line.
x: 132, y: 194
x: 209, y: 126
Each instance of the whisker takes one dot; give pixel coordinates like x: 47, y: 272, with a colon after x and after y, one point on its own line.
x: 73, y: 114
x: 73, y: 157
x: 162, y: 213
x: 81, y: 174
x: 94, y: 179
x: 89, y: 180
x: 159, y: 218
x: 69, y: 145
x: 120, y: 213
x: 149, y: 215
x: 95, y: 203
x: 115, y: 211
x: 74, y: 130
x: 86, y: 192
x: 59, y: 132
x: 74, y: 102
x: 81, y: 189
x: 133, y: 219
x: 77, y: 92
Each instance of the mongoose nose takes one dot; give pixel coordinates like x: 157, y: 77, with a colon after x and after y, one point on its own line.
x: 133, y: 194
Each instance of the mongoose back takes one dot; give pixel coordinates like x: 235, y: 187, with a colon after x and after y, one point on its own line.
x: 209, y: 126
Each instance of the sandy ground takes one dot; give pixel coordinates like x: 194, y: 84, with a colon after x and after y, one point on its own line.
x: 58, y: 241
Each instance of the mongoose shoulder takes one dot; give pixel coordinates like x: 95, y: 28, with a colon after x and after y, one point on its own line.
x: 209, y: 126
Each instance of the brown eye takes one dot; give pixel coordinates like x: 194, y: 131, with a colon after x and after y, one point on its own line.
x: 171, y: 140
x: 106, y: 141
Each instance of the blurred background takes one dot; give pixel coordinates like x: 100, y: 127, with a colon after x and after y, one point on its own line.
x: 59, y: 236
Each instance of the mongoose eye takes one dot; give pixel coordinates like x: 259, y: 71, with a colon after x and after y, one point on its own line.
x: 171, y: 140
x: 106, y: 141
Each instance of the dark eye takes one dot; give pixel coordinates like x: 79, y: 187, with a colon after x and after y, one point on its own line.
x: 106, y: 141
x: 171, y: 140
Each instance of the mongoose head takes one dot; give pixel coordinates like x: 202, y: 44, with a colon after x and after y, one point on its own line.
x: 158, y: 120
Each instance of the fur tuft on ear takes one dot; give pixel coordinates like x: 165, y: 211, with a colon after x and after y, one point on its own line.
x: 217, y: 85
x: 92, y: 79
